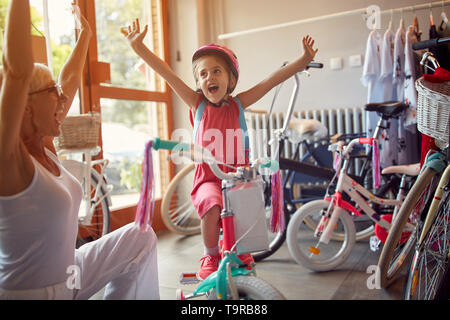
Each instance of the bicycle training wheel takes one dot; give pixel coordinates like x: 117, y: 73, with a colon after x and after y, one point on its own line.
x: 302, y: 242
x: 395, y: 252
x: 430, y: 261
x: 251, y: 288
x: 177, y: 211
x: 99, y: 225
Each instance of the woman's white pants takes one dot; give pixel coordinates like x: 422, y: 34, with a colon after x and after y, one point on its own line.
x: 124, y: 262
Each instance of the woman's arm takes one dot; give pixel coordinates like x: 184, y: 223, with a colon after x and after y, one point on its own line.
x: 252, y: 95
x: 71, y: 73
x: 17, y: 70
x: 135, y: 38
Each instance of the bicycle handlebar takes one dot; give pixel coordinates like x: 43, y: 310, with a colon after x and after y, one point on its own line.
x: 199, y: 154
x: 432, y: 43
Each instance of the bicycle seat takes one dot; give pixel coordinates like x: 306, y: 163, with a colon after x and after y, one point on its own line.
x: 411, y: 170
x: 388, y: 109
x: 307, y: 129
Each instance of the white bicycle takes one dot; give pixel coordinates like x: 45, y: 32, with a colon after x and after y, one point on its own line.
x: 79, y: 136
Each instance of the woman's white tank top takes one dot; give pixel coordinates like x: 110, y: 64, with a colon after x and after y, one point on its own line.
x: 38, y: 230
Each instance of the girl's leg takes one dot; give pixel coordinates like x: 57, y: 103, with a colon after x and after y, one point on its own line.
x: 210, y: 234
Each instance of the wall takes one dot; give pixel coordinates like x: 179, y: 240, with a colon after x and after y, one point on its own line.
x: 260, y: 54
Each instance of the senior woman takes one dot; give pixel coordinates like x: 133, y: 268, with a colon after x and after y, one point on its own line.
x: 39, y: 199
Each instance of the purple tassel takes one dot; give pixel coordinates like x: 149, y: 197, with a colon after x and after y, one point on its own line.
x: 277, y: 220
x: 146, y: 204
x: 376, y: 164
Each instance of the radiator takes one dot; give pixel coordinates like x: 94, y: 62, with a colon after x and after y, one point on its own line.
x: 261, y: 128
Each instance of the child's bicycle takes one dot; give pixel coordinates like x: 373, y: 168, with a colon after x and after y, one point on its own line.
x: 243, y: 225
x: 321, y: 234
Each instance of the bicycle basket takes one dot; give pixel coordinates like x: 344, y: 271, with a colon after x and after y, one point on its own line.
x: 79, y: 132
x: 433, y: 109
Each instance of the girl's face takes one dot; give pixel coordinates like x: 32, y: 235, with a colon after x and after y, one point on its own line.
x: 47, y: 107
x: 213, y: 78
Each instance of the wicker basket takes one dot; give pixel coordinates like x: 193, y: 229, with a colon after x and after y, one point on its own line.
x: 433, y: 109
x: 79, y: 132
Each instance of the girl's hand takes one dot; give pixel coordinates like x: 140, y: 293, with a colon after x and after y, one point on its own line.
x: 309, y: 52
x: 133, y: 34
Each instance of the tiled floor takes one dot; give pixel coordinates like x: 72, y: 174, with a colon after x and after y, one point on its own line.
x: 177, y: 254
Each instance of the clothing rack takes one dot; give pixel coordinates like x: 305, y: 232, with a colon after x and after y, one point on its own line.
x: 332, y: 16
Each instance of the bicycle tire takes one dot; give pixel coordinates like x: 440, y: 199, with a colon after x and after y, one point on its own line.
x: 251, y: 288
x: 429, y: 274
x: 188, y: 222
x: 302, y: 255
x: 100, y: 219
x: 389, y: 267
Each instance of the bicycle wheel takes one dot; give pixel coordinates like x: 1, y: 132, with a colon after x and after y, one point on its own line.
x: 300, y: 238
x: 396, y: 252
x: 251, y: 288
x: 177, y: 210
x: 427, y: 279
x: 99, y: 225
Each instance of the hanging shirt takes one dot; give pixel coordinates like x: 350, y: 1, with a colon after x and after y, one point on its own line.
x: 411, y: 74
x: 398, y: 75
x: 388, y: 139
x: 371, y: 78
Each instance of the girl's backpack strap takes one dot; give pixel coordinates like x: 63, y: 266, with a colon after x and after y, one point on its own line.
x: 243, y: 124
x: 198, y: 117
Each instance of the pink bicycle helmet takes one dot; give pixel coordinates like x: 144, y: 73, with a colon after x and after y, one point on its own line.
x: 222, y: 51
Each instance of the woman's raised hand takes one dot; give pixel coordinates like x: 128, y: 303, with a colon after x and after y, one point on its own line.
x: 133, y: 34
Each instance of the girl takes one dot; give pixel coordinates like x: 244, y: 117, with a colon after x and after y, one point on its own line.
x: 218, y: 118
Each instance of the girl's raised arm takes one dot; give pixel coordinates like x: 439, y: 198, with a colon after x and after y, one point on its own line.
x: 252, y: 95
x: 17, y: 70
x: 135, y: 37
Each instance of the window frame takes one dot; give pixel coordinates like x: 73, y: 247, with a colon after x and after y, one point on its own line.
x: 92, y: 91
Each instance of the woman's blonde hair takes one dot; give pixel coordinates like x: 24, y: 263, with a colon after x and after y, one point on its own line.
x: 41, y: 77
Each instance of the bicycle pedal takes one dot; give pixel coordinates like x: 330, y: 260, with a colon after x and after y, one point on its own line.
x: 189, y: 278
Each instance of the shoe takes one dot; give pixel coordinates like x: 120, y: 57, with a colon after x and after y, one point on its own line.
x: 209, y: 265
x: 247, y: 259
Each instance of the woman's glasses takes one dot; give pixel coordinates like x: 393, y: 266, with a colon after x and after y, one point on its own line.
x: 54, y: 88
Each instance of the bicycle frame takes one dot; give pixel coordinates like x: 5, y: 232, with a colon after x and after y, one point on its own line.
x: 83, y: 171
x: 356, y: 192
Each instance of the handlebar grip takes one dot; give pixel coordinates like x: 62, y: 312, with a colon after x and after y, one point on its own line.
x: 315, y: 65
x: 365, y: 140
x: 272, y: 164
x: 170, y: 145
x: 425, y: 44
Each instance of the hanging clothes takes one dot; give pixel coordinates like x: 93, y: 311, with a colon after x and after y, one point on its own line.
x: 389, y: 137
x: 371, y: 78
x: 398, y: 75
x: 409, y: 139
x: 443, y: 51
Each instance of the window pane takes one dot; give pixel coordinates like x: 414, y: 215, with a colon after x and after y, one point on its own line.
x: 126, y: 127
x: 61, y: 29
x: 127, y: 69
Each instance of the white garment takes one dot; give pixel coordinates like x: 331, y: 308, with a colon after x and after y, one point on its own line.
x: 38, y: 229
x: 371, y: 78
x: 388, y: 138
x: 38, y: 259
x: 399, y: 64
x: 410, y: 78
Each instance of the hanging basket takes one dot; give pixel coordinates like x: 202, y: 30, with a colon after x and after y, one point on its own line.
x: 433, y: 109
x: 79, y: 132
